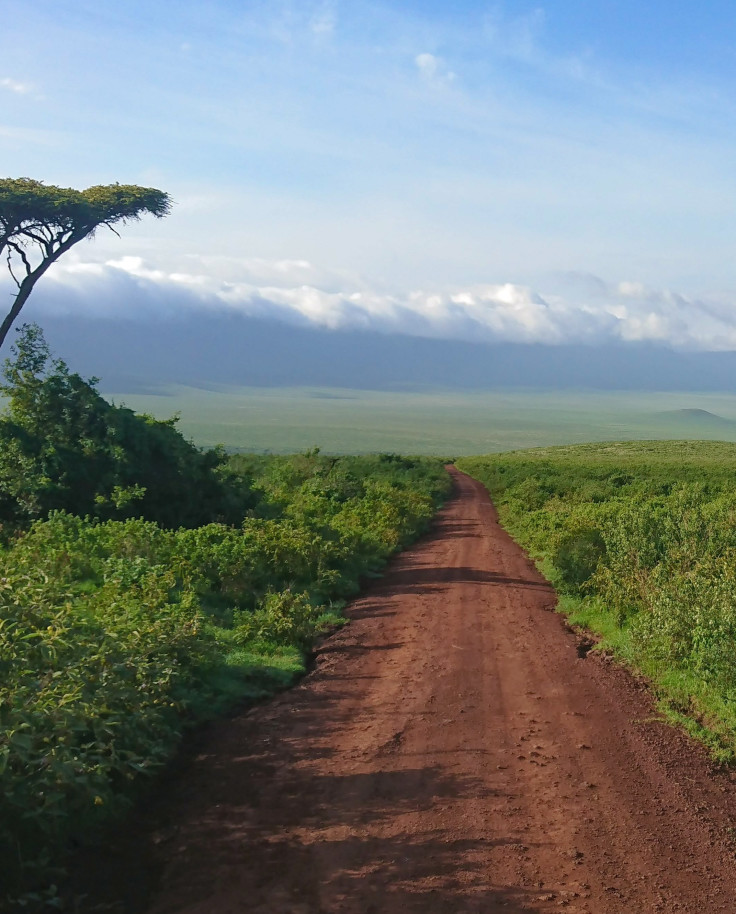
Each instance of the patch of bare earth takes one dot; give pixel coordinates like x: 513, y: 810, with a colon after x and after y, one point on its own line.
x: 452, y: 751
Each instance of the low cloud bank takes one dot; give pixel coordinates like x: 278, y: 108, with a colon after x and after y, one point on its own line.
x: 575, y: 309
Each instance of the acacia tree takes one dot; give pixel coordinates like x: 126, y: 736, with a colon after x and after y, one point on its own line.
x: 39, y: 223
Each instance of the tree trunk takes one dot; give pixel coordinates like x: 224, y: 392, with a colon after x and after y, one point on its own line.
x: 26, y: 287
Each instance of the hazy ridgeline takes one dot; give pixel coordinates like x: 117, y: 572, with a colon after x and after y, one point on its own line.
x: 192, y: 581
x: 262, y: 385
x: 223, y: 348
x: 640, y: 540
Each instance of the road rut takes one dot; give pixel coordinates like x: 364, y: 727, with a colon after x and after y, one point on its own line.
x: 454, y: 750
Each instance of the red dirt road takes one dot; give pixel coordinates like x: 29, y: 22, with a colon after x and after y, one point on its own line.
x: 451, y: 752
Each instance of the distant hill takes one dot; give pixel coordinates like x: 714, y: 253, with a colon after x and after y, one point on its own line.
x: 701, y: 417
x: 209, y: 349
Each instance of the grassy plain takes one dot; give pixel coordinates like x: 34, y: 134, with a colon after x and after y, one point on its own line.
x: 288, y: 420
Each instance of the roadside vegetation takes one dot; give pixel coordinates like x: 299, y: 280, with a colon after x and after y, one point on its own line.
x: 639, y: 538
x: 146, y: 586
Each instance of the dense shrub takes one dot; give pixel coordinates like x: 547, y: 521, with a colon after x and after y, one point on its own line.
x: 91, y: 686
x: 578, y: 554
x: 64, y: 447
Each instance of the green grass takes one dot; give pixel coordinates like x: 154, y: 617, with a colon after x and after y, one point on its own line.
x: 288, y: 420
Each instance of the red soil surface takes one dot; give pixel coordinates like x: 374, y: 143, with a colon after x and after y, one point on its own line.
x: 454, y: 750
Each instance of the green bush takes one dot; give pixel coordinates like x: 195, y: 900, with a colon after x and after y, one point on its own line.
x: 283, y: 618
x: 578, y: 554
x: 64, y: 447
x: 92, y: 689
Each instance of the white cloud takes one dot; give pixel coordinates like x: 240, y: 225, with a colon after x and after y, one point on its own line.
x: 434, y: 69
x: 14, y: 86
x: 577, y: 308
x: 324, y: 20
x: 289, y: 22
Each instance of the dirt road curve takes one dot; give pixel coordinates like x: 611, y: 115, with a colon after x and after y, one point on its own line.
x: 451, y: 752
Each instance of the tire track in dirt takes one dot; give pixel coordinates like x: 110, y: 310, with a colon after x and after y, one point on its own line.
x: 450, y: 752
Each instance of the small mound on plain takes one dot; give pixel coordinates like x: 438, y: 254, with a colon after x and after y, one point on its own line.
x: 701, y: 416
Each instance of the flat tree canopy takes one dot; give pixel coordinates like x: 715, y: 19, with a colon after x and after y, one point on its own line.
x: 40, y: 222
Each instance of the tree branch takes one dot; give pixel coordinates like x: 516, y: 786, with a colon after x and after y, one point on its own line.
x: 10, y: 269
x: 32, y: 235
x: 22, y: 254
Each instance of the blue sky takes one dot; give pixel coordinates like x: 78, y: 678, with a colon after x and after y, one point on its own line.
x: 394, y: 148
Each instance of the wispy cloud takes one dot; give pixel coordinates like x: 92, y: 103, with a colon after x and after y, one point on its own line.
x: 324, y: 20
x: 289, y: 22
x: 523, y: 39
x: 434, y: 70
x: 36, y: 137
x: 13, y: 85
x: 518, y: 37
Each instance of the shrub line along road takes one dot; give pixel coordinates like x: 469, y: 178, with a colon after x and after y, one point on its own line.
x: 454, y: 750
